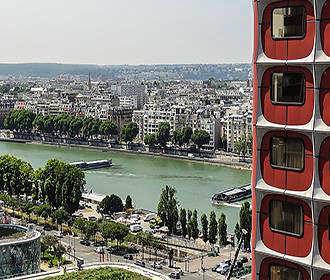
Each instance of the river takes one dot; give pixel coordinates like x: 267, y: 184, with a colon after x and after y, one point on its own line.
x: 143, y: 176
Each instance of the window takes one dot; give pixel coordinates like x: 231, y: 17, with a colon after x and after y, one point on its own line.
x: 279, y: 272
x: 286, y: 217
x: 289, y: 23
x: 287, y: 153
x: 288, y: 88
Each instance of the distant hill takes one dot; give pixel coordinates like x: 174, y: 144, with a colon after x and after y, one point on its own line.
x: 148, y: 72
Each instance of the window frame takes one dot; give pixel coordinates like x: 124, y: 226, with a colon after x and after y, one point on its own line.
x: 277, y: 103
x: 281, y: 265
x: 292, y: 37
x: 283, y: 231
x: 285, y: 167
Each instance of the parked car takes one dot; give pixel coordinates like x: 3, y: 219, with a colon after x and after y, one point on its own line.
x: 174, y: 275
x: 156, y: 265
x: 135, y: 228
x: 243, y: 259
x: 99, y: 243
x: 58, y: 234
x: 223, y: 268
x: 99, y: 250
x: 149, y: 217
x: 214, y: 268
x: 85, y: 242
x: 135, y: 217
x: 140, y: 263
x: 128, y: 257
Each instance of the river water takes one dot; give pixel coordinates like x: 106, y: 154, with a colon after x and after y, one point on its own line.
x: 143, y: 176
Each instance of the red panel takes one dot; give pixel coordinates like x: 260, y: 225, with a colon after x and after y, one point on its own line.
x: 302, y: 48
x: 324, y: 166
x: 324, y: 105
x: 273, y: 49
x: 292, y: 48
x: 272, y: 240
x: 282, y: 178
x: 266, y: 263
x: 323, y: 234
x: 299, y: 115
x: 325, y: 277
x: 325, y: 81
x: 326, y: 10
x: 325, y: 36
x: 283, y: 243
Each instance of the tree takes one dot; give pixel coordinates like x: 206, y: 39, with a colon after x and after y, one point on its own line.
x: 167, y: 208
x: 246, y: 223
x: 60, y: 216
x: 186, y: 135
x: 61, y: 185
x: 111, y: 204
x: 150, y: 139
x: 177, y: 137
x: 222, y: 230
x: 194, y: 224
x: 200, y: 138
x: 108, y: 128
x: 163, y: 135
x: 238, y: 232
x: 129, y: 132
x: 183, y: 221
x: 241, y: 146
x: 49, y: 241
x: 213, y: 228
x: 114, y: 231
x: 205, y: 227
x: 128, y: 203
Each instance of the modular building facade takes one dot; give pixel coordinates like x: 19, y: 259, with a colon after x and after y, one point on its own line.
x: 291, y: 128
x: 19, y: 256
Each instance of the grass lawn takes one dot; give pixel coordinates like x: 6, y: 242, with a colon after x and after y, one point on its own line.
x: 101, y: 274
x: 10, y: 233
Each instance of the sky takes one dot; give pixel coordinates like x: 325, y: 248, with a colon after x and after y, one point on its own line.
x: 109, y: 32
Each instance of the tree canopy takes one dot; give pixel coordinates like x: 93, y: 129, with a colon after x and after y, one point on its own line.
x: 111, y: 204
x: 129, y: 132
x: 200, y: 138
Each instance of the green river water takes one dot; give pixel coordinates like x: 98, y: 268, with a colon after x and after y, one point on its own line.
x: 143, y: 176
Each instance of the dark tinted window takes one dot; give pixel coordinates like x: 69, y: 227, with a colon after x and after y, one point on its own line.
x: 287, y: 153
x: 279, y: 272
x: 289, y: 22
x: 286, y: 217
x: 288, y: 88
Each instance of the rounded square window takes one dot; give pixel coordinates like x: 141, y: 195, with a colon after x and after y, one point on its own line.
x: 281, y: 272
x: 286, y: 217
x: 287, y: 153
x: 288, y: 88
x: 289, y: 23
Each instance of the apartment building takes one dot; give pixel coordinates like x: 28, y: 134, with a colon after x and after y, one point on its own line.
x: 291, y: 158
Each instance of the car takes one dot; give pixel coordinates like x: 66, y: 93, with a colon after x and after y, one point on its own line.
x: 92, y: 218
x: 99, y: 244
x: 140, y: 263
x: 224, y: 270
x: 99, y: 250
x: 128, y: 257
x: 243, y: 259
x: 135, y: 228
x: 58, y: 234
x: 174, y: 275
x: 223, y: 267
x: 85, y: 242
x: 149, y: 217
x: 214, y: 268
x: 156, y: 265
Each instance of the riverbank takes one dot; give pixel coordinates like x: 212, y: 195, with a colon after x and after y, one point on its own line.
x: 213, y: 161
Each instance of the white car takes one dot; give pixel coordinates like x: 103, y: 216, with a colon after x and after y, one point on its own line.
x: 149, y: 217
x: 99, y: 250
x: 58, y: 234
x: 156, y: 265
x: 135, y: 228
x: 223, y: 267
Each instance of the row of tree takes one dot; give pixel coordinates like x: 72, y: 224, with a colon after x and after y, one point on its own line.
x: 212, y: 230
x: 26, y: 121
x: 177, y: 137
x: 58, y: 183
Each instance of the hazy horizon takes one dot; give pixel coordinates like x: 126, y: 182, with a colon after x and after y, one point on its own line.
x: 127, y: 32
